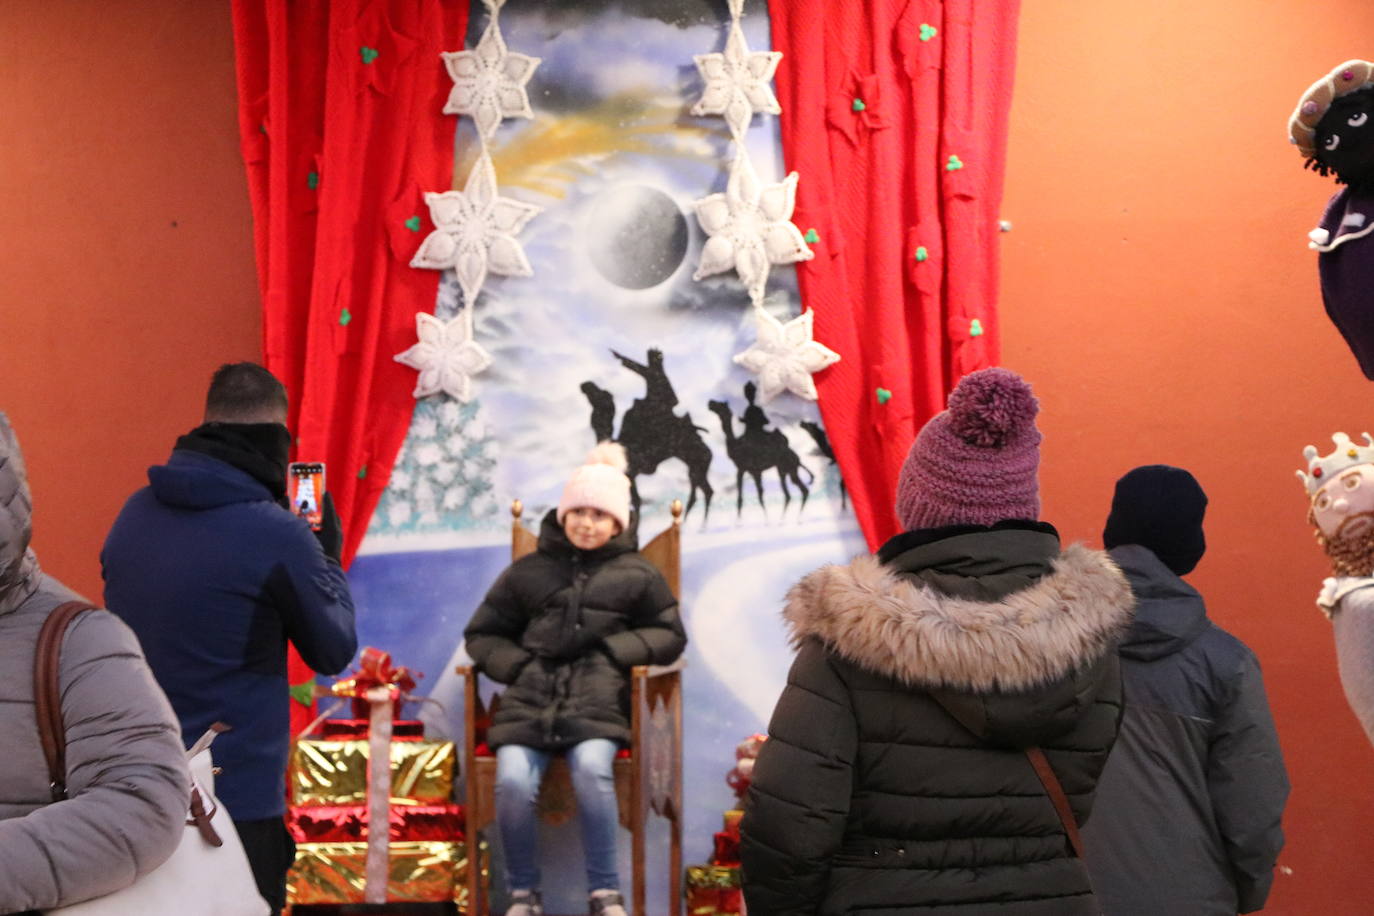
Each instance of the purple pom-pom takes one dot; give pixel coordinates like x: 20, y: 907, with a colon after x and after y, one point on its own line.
x: 990, y: 407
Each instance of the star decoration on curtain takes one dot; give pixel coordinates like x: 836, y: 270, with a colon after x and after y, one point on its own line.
x: 475, y: 231
x: 737, y: 82
x: 446, y: 356
x: 489, y: 81
x: 785, y: 355
x: 750, y: 228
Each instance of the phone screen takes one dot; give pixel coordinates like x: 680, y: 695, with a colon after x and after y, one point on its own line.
x: 305, y: 488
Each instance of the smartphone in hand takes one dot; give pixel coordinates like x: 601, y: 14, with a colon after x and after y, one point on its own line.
x: 305, y: 490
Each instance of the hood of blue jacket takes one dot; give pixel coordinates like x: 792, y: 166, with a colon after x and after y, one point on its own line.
x: 190, y: 480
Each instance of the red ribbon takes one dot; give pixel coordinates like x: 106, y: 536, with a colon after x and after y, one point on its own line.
x: 375, y: 670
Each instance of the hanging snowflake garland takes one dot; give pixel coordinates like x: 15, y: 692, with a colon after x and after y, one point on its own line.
x: 737, y: 81
x: 475, y: 231
x: 785, y: 355
x: 750, y: 228
x: 489, y: 81
x: 446, y: 356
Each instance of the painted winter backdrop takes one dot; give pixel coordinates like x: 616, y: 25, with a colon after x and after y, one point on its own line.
x: 611, y: 333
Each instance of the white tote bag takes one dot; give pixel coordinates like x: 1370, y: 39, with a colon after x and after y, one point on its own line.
x: 208, y: 873
x: 199, y: 878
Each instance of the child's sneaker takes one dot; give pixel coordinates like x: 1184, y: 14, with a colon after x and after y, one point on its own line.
x: 606, y: 903
x: 526, y: 903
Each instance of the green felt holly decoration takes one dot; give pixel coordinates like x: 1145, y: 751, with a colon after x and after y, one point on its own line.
x: 921, y: 253
x: 345, y: 317
x: 954, y: 164
x: 884, y: 395
x: 928, y: 31
x: 312, y: 181
x: 859, y: 105
x: 413, y: 224
x: 811, y: 237
x: 304, y: 693
x: 368, y: 54
x: 975, y: 328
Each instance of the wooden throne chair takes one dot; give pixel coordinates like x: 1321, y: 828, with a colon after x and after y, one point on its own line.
x: 648, y: 775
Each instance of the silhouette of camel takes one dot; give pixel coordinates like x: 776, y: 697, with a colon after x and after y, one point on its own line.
x: 757, y: 449
x: 651, y: 432
x: 823, y: 446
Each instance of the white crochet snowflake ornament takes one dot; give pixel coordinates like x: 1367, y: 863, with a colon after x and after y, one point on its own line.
x: 489, y: 81
x: 446, y: 356
x: 785, y: 355
x: 750, y: 228
x: 737, y: 80
x: 475, y: 231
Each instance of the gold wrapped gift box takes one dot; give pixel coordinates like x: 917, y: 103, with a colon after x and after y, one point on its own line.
x: 419, y: 871
x: 335, y: 772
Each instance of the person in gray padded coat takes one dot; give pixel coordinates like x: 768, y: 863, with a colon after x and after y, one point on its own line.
x: 1195, y: 788
x: 895, y: 780
x: 126, y: 770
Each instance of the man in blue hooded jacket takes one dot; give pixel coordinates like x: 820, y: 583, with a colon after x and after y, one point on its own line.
x: 215, y: 575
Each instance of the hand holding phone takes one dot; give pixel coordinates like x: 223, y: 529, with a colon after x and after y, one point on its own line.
x: 305, y: 490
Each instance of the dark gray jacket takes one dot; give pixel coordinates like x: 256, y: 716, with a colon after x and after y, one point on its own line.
x: 1188, y: 808
x: 870, y: 797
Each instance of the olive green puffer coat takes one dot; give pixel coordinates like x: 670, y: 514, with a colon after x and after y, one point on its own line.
x: 870, y: 797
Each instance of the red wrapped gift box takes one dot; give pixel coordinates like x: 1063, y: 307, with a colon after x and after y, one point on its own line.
x: 348, y: 823
x: 350, y: 729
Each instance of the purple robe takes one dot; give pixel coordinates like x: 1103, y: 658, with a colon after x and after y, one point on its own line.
x: 1345, y: 242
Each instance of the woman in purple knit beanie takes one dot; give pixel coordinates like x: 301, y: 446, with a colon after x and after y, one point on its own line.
x: 951, y: 695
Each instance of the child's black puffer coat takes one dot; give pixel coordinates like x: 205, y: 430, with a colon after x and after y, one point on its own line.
x: 563, y: 627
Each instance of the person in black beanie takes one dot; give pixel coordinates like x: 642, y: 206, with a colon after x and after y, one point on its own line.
x: 1188, y: 814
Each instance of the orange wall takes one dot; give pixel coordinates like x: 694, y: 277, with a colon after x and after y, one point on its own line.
x: 1158, y: 291
x: 126, y: 262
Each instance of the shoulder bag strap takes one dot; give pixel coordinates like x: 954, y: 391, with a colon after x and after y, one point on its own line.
x: 47, y: 693
x: 1057, y: 796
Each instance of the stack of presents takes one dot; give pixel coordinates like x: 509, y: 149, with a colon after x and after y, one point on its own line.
x: 714, y: 889
x: 336, y: 799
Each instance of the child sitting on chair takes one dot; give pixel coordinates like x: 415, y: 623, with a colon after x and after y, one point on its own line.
x: 563, y: 626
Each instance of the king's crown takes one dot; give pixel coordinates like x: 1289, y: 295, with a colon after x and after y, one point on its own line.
x: 1347, y: 454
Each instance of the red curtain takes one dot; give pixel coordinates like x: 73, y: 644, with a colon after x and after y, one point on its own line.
x: 895, y: 114
x: 342, y: 130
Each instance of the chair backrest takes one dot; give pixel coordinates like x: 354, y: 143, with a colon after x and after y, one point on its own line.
x: 664, y: 551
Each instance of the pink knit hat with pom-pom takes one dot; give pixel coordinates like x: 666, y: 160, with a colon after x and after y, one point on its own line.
x: 600, y: 483
x: 976, y: 463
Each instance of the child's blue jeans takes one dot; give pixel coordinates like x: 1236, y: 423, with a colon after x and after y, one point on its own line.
x: 519, y: 770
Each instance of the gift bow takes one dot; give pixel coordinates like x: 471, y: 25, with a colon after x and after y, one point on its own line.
x: 375, y: 670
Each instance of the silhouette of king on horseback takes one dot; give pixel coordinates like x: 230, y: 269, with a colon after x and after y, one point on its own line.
x: 651, y: 432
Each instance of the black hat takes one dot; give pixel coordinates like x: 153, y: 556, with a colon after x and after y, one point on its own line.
x: 1161, y: 508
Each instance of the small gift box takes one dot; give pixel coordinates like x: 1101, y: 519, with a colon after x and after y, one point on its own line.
x: 416, y: 871
x: 356, y: 729
x: 348, y: 823
x: 335, y: 772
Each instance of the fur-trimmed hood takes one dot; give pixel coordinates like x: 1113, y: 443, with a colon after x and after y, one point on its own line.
x: 897, y: 626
